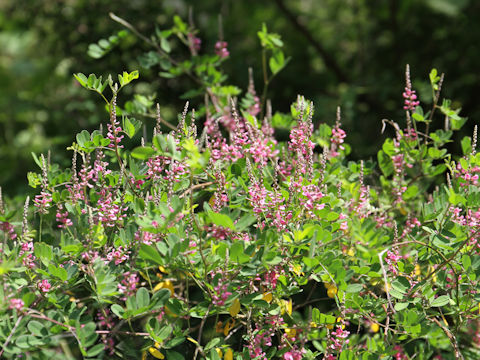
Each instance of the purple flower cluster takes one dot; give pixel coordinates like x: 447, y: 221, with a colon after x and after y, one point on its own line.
x: 221, y: 49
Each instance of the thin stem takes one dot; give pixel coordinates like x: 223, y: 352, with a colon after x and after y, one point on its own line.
x: 7, y: 341
x: 266, y: 81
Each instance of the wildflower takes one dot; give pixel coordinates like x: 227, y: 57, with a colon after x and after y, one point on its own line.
x: 338, y: 338
x: 44, y: 286
x: 16, y: 304
x: 221, y: 49
x: 338, y: 136
x: 410, y: 102
x: 391, y: 259
x: 114, y: 126
x: 119, y: 255
x: 129, y: 283
x: 43, y: 201
x: 62, y: 218
x: 220, y: 294
x: 164, y: 285
x: 8, y: 229
x: 195, y: 43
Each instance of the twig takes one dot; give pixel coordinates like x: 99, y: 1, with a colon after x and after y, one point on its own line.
x: 10, y: 335
x: 195, y: 187
x: 385, y: 279
x: 200, y: 331
x: 122, y: 332
x: 451, y: 337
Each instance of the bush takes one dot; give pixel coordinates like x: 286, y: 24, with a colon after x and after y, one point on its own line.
x: 231, y: 244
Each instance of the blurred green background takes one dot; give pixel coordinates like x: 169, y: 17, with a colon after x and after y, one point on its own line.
x: 350, y: 53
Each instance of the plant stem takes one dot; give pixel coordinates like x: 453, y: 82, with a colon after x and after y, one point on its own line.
x: 7, y: 341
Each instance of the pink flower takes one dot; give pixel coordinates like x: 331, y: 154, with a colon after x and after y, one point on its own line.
x: 44, y: 286
x: 43, y: 201
x: 16, y: 304
x: 128, y: 284
x: 119, y: 255
x: 8, y: 229
x: 62, y: 218
x: 410, y: 99
x: 221, y: 49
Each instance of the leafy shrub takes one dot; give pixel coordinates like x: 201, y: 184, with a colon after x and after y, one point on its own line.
x: 228, y: 243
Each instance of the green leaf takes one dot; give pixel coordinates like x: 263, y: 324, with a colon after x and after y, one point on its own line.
x: 118, y: 310
x: 173, y: 355
x: 401, y: 284
x: 221, y: 220
x: 165, y: 332
x: 127, y: 78
x: 142, y: 152
x: 237, y: 253
x: 410, y: 193
x: 213, y: 343
x: 82, y: 79
x: 165, y: 45
x: 174, y: 342
x: 44, y: 252
x: 95, y: 350
x: 214, y: 355
x: 277, y: 62
x: 143, y: 298
x: 440, y: 301
x: 131, y: 126
x: 28, y: 341
x: 466, y: 261
x: 59, y: 272
x: 401, y: 306
x: 83, y: 137
x: 37, y: 328
x: 147, y: 252
x: 466, y: 145
x: 354, y: 288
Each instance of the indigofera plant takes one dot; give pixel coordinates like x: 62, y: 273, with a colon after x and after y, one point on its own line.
x: 227, y: 243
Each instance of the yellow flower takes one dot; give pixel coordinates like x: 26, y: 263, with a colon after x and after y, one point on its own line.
x: 234, y: 308
x: 417, y: 270
x: 286, y: 306
x: 331, y: 292
x: 219, y: 352
x: 164, y: 285
x: 290, y: 332
x: 374, y: 327
x: 268, y: 297
x: 156, y: 353
x: 228, y: 354
x: 228, y: 326
x: 297, y: 269
x: 340, y: 321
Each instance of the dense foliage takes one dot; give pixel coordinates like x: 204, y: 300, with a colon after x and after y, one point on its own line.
x: 344, y: 52
x: 240, y: 233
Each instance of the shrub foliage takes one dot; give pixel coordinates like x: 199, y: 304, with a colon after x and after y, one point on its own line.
x: 224, y: 242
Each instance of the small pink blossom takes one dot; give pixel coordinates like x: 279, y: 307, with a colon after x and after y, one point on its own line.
x: 16, y: 304
x: 410, y: 97
x: 44, y: 286
x: 221, y: 49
